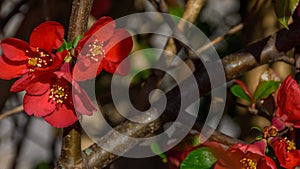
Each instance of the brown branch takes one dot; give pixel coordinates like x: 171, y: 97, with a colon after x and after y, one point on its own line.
x: 71, y: 156
x: 99, y: 158
x: 13, y: 111
x: 79, y: 18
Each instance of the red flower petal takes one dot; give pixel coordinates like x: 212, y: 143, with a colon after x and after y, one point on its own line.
x: 269, y: 163
x: 287, y: 159
x: 103, y: 28
x: 124, y: 68
x: 21, y: 83
x: 62, y: 117
x: 38, y: 105
x: 108, y: 66
x: 83, y: 104
x: 288, y: 102
x: 9, y: 71
x: 48, y: 35
x: 237, y: 152
x: 14, y: 49
x: 81, y: 72
x: 39, y: 85
x: 119, y: 46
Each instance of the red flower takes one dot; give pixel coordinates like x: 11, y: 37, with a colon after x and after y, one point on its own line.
x: 288, y: 102
x: 286, y: 152
x: 241, y: 156
x: 20, y: 58
x: 102, y: 47
x: 51, y: 98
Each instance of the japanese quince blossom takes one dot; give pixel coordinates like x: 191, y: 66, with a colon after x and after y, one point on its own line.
x: 50, y: 91
x: 52, y: 99
x: 33, y: 58
x: 288, y: 102
x: 286, y: 153
x: 102, y: 47
x: 241, y: 156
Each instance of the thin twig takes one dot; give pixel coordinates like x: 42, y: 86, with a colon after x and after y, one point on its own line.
x: 232, y: 31
x: 11, y: 112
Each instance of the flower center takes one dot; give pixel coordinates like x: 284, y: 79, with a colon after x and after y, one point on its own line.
x: 270, y: 131
x: 290, y: 144
x: 95, y: 50
x: 38, y: 58
x: 58, y: 93
x: 248, y: 163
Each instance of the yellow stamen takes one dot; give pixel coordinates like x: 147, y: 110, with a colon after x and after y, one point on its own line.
x: 58, y: 93
x: 248, y: 163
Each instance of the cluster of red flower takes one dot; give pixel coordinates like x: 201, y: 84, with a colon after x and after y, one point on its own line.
x: 271, y: 151
x: 47, y: 76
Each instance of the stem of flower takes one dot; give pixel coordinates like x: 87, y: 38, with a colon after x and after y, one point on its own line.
x: 71, y: 155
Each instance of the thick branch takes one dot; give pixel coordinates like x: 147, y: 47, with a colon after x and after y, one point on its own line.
x: 79, y: 18
x: 268, y: 50
x: 71, y: 156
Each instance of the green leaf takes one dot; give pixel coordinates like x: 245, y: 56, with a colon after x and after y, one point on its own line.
x: 284, y: 9
x: 69, y: 46
x: 65, y: 46
x: 238, y: 91
x: 62, y: 47
x: 264, y: 89
x: 156, y: 150
x: 257, y: 128
x: 76, y: 40
x: 176, y: 10
x: 201, y: 158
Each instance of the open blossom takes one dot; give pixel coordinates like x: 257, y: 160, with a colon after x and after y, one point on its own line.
x: 285, y: 151
x: 102, y: 47
x: 288, y: 102
x: 33, y: 58
x: 20, y: 57
x: 52, y: 98
x: 241, y: 156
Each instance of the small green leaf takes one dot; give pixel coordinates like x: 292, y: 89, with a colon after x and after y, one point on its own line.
x: 284, y: 9
x: 76, y: 40
x: 63, y: 46
x: 155, y: 148
x: 68, y: 59
x: 69, y: 46
x: 257, y: 128
x: 176, y: 10
x: 264, y: 89
x: 259, y: 138
x: 201, y: 158
x: 239, y: 92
